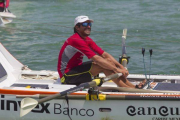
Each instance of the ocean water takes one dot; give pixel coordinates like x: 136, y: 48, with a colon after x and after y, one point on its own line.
x: 37, y: 34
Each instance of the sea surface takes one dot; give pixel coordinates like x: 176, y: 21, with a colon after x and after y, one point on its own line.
x: 37, y: 34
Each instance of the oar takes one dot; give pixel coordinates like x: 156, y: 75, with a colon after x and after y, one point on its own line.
x: 124, y: 58
x: 27, y: 104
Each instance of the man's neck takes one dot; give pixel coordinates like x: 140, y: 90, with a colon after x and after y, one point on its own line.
x: 83, y: 37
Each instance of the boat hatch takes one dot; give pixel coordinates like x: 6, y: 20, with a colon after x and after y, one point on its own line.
x: 3, y: 73
x: 35, y: 86
x: 105, y: 109
x: 167, y: 86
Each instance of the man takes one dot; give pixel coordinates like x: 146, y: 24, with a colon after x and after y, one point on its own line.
x: 70, y: 66
x: 3, y: 5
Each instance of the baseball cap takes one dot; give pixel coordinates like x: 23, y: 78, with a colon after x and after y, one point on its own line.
x: 81, y: 19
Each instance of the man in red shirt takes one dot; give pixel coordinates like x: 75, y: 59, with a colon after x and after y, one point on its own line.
x: 3, y: 5
x: 73, y: 70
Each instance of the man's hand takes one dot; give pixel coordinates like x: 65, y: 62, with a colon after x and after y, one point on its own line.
x: 123, y: 71
x: 126, y: 73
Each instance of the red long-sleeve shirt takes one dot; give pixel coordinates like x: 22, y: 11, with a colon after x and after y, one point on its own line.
x: 73, y: 50
x: 7, y: 4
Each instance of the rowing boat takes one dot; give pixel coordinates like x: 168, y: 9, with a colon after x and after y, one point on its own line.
x: 6, y: 17
x: 107, y: 102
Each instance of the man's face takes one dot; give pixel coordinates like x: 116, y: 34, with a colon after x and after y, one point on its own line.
x: 85, y: 28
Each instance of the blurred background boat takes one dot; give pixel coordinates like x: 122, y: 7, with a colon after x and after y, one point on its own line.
x: 6, y: 17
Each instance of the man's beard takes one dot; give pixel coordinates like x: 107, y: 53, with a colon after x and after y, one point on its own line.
x: 87, y: 31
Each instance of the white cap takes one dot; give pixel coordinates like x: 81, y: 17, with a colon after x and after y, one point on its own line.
x: 81, y: 19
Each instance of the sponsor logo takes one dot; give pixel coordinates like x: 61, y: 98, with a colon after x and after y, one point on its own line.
x: 72, y: 111
x: 165, y: 118
x: 11, y: 105
x: 162, y: 111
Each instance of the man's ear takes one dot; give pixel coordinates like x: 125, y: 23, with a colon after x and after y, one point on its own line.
x: 77, y: 27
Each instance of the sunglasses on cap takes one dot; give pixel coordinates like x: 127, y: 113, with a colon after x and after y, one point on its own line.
x: 85, y: 24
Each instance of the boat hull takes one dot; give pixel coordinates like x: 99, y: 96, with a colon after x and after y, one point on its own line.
x: 92, y: 110
x: 18, y: 82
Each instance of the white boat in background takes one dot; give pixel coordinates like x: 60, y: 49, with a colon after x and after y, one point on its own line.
x: 6, y: 17
x: 108, y: 102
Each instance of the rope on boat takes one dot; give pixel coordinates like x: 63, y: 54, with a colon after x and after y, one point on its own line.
x: 67, y: 100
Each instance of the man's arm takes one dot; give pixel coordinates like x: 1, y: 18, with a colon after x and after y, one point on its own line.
x: 106, y: 55
x: 106, y: 65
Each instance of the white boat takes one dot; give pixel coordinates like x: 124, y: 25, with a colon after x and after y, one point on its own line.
x: 6, y: 17
x: 109, y: 103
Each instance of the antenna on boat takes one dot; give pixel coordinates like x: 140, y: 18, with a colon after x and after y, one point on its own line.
x: 143, y: 52
x: 150, y: 51
x: 124, y: 59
